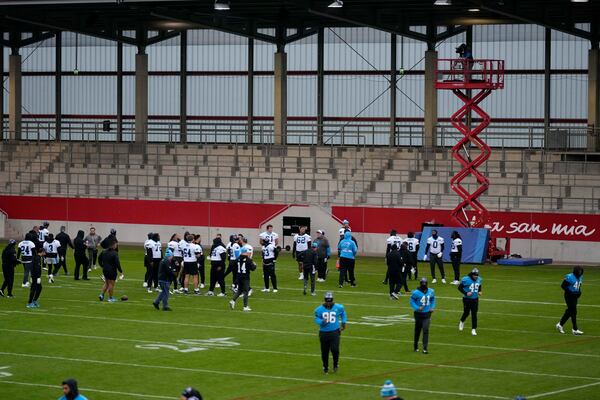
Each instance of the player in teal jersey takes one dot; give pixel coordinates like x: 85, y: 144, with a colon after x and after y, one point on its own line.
x: 422, y: 301
x: 331, y: 319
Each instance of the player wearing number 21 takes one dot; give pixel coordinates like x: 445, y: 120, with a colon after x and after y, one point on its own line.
x: 331, y: 319
x: 422, y: 301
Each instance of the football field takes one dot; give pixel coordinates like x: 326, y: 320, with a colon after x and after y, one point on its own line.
x: 128, y: 350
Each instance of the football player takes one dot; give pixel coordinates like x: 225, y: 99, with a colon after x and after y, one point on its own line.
x: 269, y: 257
x: 190, y: 263
x: 51, y: 246
x: 393, y: 239
x: 413, y: 249
x: 269, y: 236
x: 301, y: 244
x: 456, y: 255
x: 244, y: 267
x: 422, y: 301
x: 331, y: 319
x: 218, y: 254
x: 470, y: 287
x: 435, y: 253
x: 572, y: 287
x: 26, y: 252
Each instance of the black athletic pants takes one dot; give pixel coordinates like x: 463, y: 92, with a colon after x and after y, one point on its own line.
x: 433, y: 260
x: 92, y: 257
x: 9, y: 279
x: 27, y: 266
x: 217, y: 275
x: 153, y: 273
x: 455, y: 258
x: 422, y: 322
x: 202, y: 270
x: 330, y: 342
x: 243, y: 287
x: 470, y: 306
x: 62, y: 260
x: 346, y: 267
x: 309, y: 274
x: 571, y: 311
x: 394, y: 280
x: 322, y: 268
x: 412, y: 263
x: 404, y: 277
x: 269, y: 275
x: 232, y: 269
x: 35, y: 291
x: 82, y: 262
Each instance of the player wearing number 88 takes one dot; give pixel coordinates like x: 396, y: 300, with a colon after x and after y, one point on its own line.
x: 331, y: 319
x: 470, y: 287
x: 422, y: 301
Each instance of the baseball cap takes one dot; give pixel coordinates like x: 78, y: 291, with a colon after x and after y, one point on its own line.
x: 345, y: 221
x: 322, y: 232
x: 315, y: 244
x: 388, y: 389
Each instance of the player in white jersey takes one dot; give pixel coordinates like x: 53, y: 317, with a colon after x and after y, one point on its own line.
x: 456, y: 248
x: 43, y: 232
x: 435, y: 252
x: 25, y: 252
x: 173, y: 245
x: 51, y: 246
x: 147, y: 258
x: 269, y: 236
x: 393, y: 239
x: 345, y: 227
x: 156, y: 253
x: 200, y: 258
x: 269, y: 257
x: 218, y: 254
x: 190, y: 263
x: 412, y: 244
x: 301, y: 244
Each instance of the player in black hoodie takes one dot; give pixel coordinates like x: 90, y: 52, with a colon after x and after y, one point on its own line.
x: 9, y: 262
x: 81, y: 260
x: 309, y: 267
x: 36, y: 279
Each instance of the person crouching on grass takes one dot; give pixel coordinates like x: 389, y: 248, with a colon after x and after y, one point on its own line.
x: 110, y: 263
x: 166, y: 275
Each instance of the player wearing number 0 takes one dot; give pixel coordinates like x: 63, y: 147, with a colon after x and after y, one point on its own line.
x: 422, y: 301
x: 331, y: 319
x: 435, y: 253
x: 470, y: 287
x: 572, y: 287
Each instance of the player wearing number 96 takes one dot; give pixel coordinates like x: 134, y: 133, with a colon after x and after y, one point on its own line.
x: 422, y: 301
x: 331, y: 319
x: 572, y: 287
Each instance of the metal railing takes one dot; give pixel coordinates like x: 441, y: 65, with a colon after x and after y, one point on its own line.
x: 498, y: 135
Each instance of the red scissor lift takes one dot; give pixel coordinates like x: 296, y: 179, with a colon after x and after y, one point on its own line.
x: 472, y: 81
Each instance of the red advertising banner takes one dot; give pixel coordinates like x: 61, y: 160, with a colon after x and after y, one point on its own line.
x: 519, y: 225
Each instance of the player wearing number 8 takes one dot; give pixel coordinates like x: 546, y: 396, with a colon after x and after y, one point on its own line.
x: 470, y: 287
x: 572, y: 287
x: 331, y: 319
x: 422, y: 301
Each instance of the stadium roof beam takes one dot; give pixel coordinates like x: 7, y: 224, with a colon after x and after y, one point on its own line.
x: 35, y: 38
x: 450, y: 32
x: 301, y: 34
x: 107, y: 35
x: 244, y: 31
x: 515, y: 13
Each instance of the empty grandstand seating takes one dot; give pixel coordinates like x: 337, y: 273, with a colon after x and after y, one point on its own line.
x: 521, y: 180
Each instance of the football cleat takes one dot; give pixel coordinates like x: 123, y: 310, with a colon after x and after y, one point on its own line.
x: 210, y: 293
x: 50, y: 279
x: 149, y: 290
x: 313, y: 293
x: 247, y: 308
x: 112, y: 300
x: 577, y: 332
x: 301, y: 277
x: 202, y: 285
x: 25, y: 284
x: 335, y: 370
x: 221, y: 295
x: 265, y: 290
x: 218, y: 285
x: 434, y: 280
x: 461, y: 326
x: 30, y: 305
x: 425, y: 351
x: 250, y: 292
x: 145, y: 284
x: 155, y: 305
x: 473, y: 332
x: 455, y: 282
x: 275, y: 290
x: 101, y: 297
x: 443, y: 280
x: 560, y: 328
x: 197, y: 291
x: 232, y: 304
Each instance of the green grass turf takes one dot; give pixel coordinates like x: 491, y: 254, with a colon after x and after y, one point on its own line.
x: 517, y: 351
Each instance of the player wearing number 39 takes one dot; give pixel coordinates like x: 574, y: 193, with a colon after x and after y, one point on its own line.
x: 470, y: 287
x: 572, y: 287
x: 422, y: 301
x: 331, y: 319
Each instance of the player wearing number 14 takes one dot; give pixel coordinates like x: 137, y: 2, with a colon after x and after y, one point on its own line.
x: 331, y: 319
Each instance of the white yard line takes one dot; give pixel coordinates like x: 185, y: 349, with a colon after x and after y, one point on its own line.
x: 246, y: 375
x: 237, y: 349
x: 346, y: 336
x: 84, y: 390
x: 537, y: 396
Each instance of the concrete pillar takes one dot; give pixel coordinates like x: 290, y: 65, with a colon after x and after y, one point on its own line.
x: 429, y: 139
x: 393, y: 90
x: 14, y: 97
x: 141, y: 97
x: 280, y: 100
x: 594, y: 99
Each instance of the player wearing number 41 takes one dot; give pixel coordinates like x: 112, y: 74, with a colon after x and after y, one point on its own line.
x: 572, y: 287
x: 435, y: 253
x: 470, y: 287
x: 422, y: 301
x: 244, y: 266
x: 331, y: 319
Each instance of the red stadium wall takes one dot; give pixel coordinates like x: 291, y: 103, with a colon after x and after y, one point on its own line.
x: 146, y: 212
x: 517, y: 225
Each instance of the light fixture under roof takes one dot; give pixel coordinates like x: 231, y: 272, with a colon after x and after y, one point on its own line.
x: 474, y: 9
x: 580, y: 1
x: 221, y: 5
x: 442, y: 2
x: 336, y: 4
